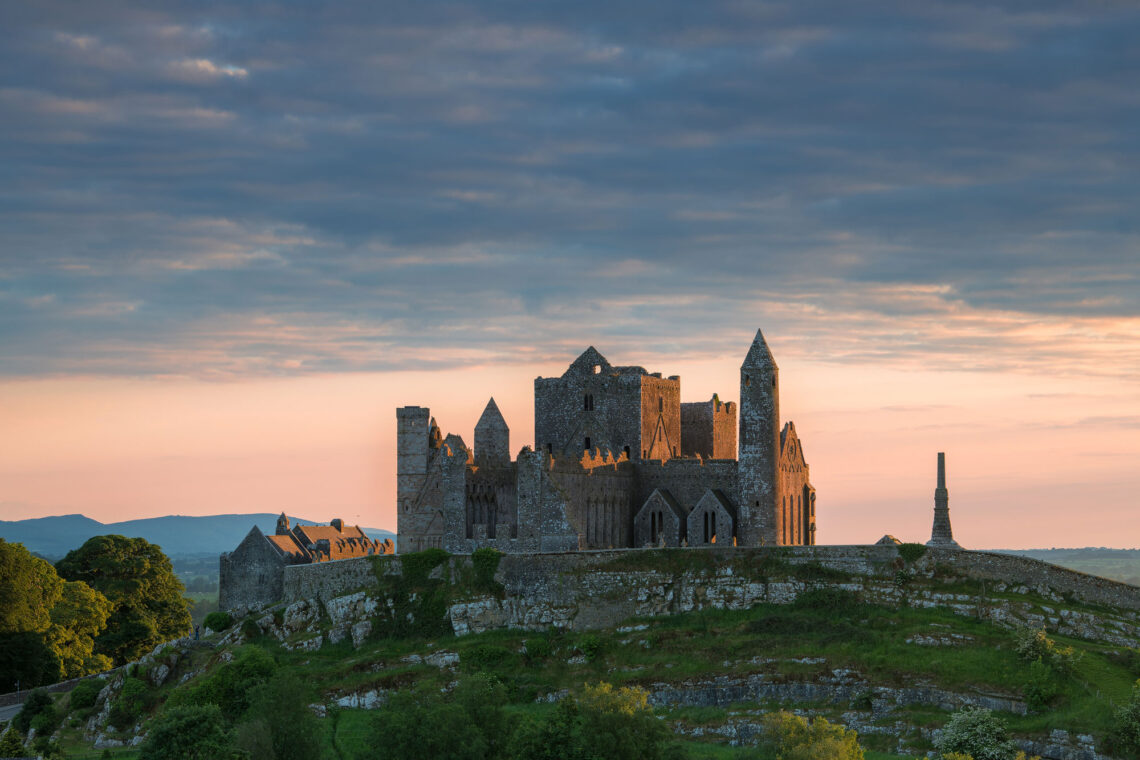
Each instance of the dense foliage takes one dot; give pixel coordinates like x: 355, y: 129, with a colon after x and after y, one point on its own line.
x: 792, y: 737
x: 190, y: 732
x: 280, y: 718
x: 471, y: 724
x: 230, y: 686
x: 218, y: 621
x: 1124, y: 738
x: 146, y: 596
x: 977, y: 732
x: 47, y: 626
x: 11, y: 744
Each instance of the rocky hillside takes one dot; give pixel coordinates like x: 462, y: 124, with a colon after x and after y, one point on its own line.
x: 717, y: 639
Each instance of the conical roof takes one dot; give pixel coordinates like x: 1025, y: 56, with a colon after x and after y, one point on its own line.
x: 759, y: 355
x: 491, y: 418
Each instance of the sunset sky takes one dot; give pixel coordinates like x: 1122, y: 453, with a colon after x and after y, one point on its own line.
x: 234, y: 237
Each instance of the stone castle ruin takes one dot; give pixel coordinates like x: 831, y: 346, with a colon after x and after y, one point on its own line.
x: 619, y: 461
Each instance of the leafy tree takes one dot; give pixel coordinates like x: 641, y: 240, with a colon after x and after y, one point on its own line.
x: 620, y: 723
x: 86, y: 693
x: 558, y: 737
x: 77, y: 619
x: 11, y: 744
x: 255, y: 740
x: 188, y: 732
x: 483, y: 699
x: 29, y: 588
x: 422, y: 725
x: 134, y: 698
x: 26, y: 658
x: 230, y: 686
x: 603, y: 722
x: 137, y: 578
x: 279, y: 706
x: 793, y: 738
x: 36, y: 702
x: 977, y: 732
x: 1124, y: 736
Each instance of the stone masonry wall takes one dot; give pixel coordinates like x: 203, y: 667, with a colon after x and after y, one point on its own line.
x: 686, y: 479
x: 250, y: 575
x: 592, y: 589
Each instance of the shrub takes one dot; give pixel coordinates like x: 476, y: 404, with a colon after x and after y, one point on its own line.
x: 486, y: 564
x: 218, y: 621
x: 1034, y: 644
x: 36, y: 702
x: 911, y: 553
x: 188, y: 732
x: 250, y: 630
x: 590, y: 646
x: 485, y: 656
x: 422, y: 724
x: 793, y: 738
x: 47, y: 720
x: 279, y: 709
x: 617, y: 724
x: 538, y: 648
x: 229, y: 686
x: 133, y: 699
x: 977, y: 732
x: 1041, y: 689
x: 11, y: 745
x: 828, y: 598
x: 1124, y: 736
x: 86, y: 693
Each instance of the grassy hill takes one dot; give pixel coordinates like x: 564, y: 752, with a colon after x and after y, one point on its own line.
x: 893, y: 673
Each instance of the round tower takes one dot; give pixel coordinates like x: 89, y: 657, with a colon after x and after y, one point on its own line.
x: 759, y: 447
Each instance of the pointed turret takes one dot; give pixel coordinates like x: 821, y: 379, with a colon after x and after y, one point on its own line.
x: 492, y: 438
x: 759, y: 355
x: 760, y: 514
x: 282, y: 525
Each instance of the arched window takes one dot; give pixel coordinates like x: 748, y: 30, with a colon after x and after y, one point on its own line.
x: 587, y: 447
x: 627, y: 454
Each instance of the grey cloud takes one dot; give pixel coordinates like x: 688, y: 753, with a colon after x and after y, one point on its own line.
x: 206, y: 188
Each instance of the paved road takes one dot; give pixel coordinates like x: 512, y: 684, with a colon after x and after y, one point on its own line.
x: 7, y: 713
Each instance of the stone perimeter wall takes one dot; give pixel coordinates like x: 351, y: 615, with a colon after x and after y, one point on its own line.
x: 602, y: 592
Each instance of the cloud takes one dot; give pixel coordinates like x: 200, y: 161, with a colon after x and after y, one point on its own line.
x: 280, y: 190
x: 203, y: 69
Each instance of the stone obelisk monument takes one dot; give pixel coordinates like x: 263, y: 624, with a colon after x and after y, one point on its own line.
x: 941, y: 535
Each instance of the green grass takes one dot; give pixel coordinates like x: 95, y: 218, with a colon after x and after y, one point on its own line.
x: 698, y: 646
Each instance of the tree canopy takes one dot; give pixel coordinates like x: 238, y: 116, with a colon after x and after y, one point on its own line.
x: 146, y: 597
x: 48, y: 627
x: 29, y: 587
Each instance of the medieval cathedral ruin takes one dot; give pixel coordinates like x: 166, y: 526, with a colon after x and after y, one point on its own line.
x: 619, y: 461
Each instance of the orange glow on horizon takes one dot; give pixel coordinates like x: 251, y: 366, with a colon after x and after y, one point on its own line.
x: 1023, y: 450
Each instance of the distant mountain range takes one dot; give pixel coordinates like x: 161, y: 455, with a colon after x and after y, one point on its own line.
x: 176, y: 534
